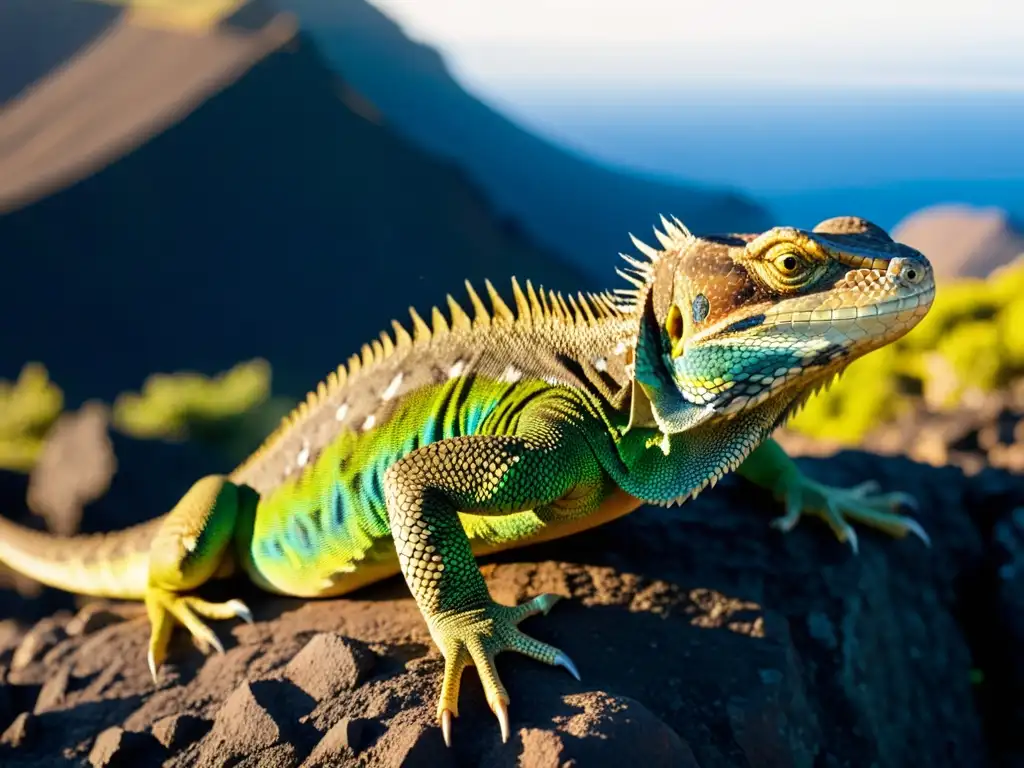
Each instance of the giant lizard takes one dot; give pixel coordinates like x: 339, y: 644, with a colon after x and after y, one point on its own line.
x: 486, y: 431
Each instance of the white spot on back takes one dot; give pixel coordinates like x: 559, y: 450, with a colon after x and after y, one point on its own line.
x: 370, y: 421
x: 392, y: 389
x: 303, y: 456
x: 511, y: 374
x: 342, y: 412
x: 620, y: 348
x: 601, y: 364
x: 189, y: 543
x: 456, y: 370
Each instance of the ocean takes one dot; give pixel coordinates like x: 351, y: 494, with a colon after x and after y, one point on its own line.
x: 806, y: 154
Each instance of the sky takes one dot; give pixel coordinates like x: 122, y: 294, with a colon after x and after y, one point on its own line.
x: 504, y: 46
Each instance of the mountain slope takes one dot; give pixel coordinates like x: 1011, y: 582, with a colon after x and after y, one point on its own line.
x: 568, y: 202
x: 271, y: 217
x: 962, y: 240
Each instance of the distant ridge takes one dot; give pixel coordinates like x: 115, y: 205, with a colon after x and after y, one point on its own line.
x: 186, y: 200
x: 113, y: 94
x: 569, y: 203
x: 963, y: 240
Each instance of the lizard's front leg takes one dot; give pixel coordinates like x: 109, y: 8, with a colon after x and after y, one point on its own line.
x: 771, y: 468
x: 492, y: 475
x: 192, y: 546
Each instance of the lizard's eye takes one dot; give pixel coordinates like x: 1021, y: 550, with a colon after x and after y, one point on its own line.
x: 788, y: 264
x: 790, y: 267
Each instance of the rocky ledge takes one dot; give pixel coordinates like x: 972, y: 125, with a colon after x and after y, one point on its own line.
x: 703, y: 637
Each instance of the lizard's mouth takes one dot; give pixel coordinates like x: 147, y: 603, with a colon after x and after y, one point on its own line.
x: 883, y: 320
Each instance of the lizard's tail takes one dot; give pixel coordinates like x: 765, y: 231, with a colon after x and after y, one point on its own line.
x: 106, y: 565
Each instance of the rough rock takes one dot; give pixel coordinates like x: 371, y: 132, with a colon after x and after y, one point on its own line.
x: 19, y: 732
x: 51, y: 695
x: 703, y: 636
x: 178, y: 731
x: 616, y: 730
x: 409, y: 743
x: 541, y: 749
x: 343, y: 741
x: 281, y: 756
x: 74, y: 469
x: 45, y: 635
x: 93, y: 617
x: 328, y: 665
x: 1008, y: 595
x: 118, y: 747
x: 242, y: 726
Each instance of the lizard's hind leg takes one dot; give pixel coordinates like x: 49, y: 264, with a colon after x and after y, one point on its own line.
x: 192, y: 546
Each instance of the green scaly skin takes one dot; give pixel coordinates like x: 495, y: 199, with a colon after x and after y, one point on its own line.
x: 512, y: 427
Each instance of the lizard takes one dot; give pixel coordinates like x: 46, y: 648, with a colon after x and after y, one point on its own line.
x: 482, y: 432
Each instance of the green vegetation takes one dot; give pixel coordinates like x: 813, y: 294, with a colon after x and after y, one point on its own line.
x: 28, y: 407
x: 232, y: 411
x: 971, y: 341
x: 186, y: 405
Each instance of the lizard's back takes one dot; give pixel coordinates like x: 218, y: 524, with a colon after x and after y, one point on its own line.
x: 321, y: 524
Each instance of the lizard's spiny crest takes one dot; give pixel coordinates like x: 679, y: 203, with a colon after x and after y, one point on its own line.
x: 673, y: 236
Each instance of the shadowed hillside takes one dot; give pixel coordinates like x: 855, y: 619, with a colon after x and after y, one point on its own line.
x: 38, y: 35
x: 270, y: 215
x: 578, y: 206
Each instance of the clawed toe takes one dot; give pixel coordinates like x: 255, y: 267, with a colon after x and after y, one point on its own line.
x: 839, y: 507
x: 165, y: 607
x: 475, y: 638
x: 561, y: 660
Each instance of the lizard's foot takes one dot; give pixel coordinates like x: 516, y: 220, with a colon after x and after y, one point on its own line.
x: 836, y: 506
x: 473, y: 638
x: 164, y: 607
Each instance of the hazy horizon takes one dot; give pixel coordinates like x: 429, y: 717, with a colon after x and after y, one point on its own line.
x: 875, y: 106
x: 502, y: 45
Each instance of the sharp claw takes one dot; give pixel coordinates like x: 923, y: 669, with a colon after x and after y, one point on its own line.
x: 851, y: 537
x: 785, y: 523
x: 215, y: 642
x: 915, y: 528
x: 906, y: 500
x: 152, y: 667
x: 562, y: 660
x: 501, y: 712
x: 548, y: 602
x: 446, y: 726
x: 241, y: 610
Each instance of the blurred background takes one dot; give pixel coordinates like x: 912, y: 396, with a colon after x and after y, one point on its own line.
x: 206, y: 205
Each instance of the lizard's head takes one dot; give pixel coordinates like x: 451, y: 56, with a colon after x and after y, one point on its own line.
x: 726, y: 324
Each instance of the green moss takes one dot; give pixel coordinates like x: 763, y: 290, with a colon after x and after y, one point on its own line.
x: 189, y: 405
x: 28, y: 407
x: 972, y: 339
